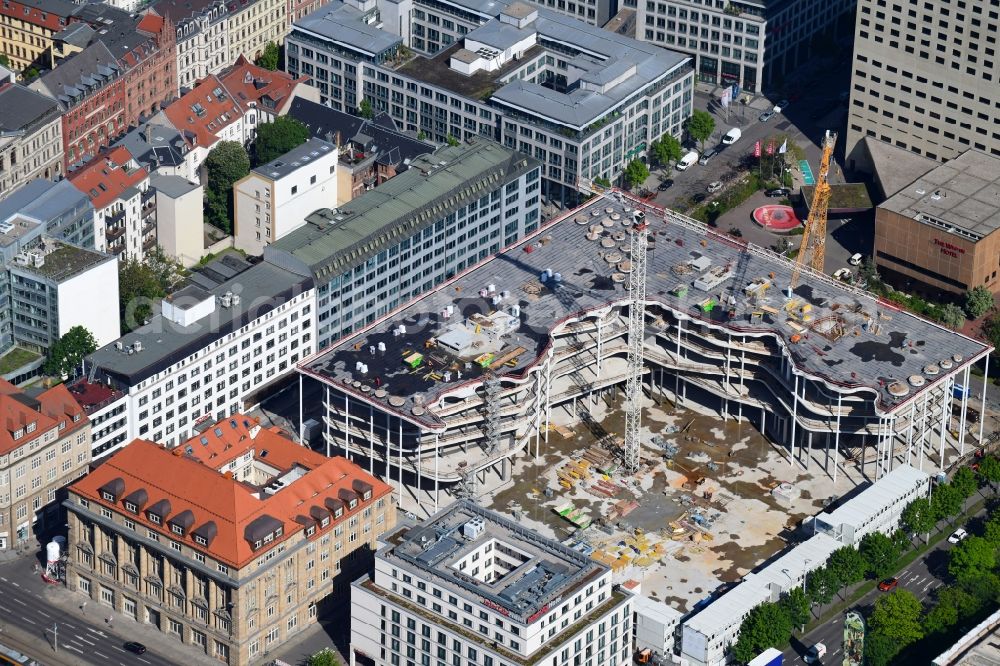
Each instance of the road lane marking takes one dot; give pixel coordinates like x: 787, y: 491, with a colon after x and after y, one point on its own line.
x: 4, y: 608
x: 119, y: 649
x: 70, y: 647
x: 85, y: 640
x: 16, y: 584
x: 141, y: 659
x: 28, y: 619
x: 95, y: 631
x: 18, y: 601
x: 41, y: 612
x: 67, y: 624
x: 100, y: 655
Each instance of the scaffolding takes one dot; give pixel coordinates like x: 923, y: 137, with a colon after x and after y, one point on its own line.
x: 636, y: 331
x: 491, y: 421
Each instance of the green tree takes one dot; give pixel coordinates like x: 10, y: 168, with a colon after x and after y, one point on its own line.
x: 971, y: 558
x: 978, y: 301
x: 666, y: 150
x: 897, y: 616
x: 421, y: 136
x: 951, y: 315
x: 139, y: 287
x: 989, y: 468
x: 226, y: 164
x: 270, y: 57
x: 636, y: 173
x: 847, y: 565
x: 700, y: 126
x: 879, y: 552
x: 880, y: 650
x: 325, y: 657
x: 276, y: 138
x: 964, y: 481
x: 796, y: 606
x: 4, y: 61
x: 603, y: 182
x: 765, y: 626
x: 946, y: 501
x: 452, y: 141
x: 918, y: 517
x: 991, y: 530
x: 821, y: 585
x: 365, y: 109
x: 29, y: 73
x: 868, y: 273
x: 66, y: 353
x: 940, y: 619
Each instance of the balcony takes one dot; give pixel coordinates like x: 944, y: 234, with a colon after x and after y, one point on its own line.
x: 115, y: 218
x: 149, y: 244
x: 113, y: 234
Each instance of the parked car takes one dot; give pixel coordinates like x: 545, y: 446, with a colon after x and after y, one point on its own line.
x: 842, y: 274
x: 732, y: 136
x: 665, y: 185
x: 687, y: 161
x: 856, y: 259
x: 764, y: 117
x: 958, y: 535
x: 137, y: 648
x: 714, y: 187
x: 780, y: 106
x: 708, y: 155
x: 778, y: 192
x: 888, y: 585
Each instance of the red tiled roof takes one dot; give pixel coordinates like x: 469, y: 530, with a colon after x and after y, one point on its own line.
x: 250, y: 83
x: 189, y: 478
x: 205, y: 110
x: 16, y: 413
x: 106, y: 177
x: 151, y: 22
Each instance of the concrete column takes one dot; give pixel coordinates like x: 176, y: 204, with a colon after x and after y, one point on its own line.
x: 945, y: 417
x: 982, y: 405
x: 836, y: 438
x: 347, y: 436
x: 795, y: 411
x: 437, y: 469
x: 962, y: 424
x: 326, y: 408
x: 301, y: 425
x: 371, y: 440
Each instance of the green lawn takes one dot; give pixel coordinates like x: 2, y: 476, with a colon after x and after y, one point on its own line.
x: 15, y: 358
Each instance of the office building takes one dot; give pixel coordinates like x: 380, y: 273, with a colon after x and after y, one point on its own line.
x: 748, y: 43
x: 926, y: 78
x: 940, y: 232
x: 124, y: 205
x: 57, y: 209
x: 445, y: 214
x: 233, y: 542
x: 544, y: 325
x: 468, y: 585
x: 978, y: 646
x: 214, y: 344
x: 44, y: 446
x: 274, y: 199
x: 49, y: 286
x: 371, y: 151
x: 30, y: 137
x: 582, y: 100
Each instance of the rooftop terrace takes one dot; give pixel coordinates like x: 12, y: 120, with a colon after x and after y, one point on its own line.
x: 831, y: 331
x: 437, y: 71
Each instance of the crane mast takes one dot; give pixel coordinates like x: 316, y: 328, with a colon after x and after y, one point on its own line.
x: 636, y: 331
x: 812, y: 249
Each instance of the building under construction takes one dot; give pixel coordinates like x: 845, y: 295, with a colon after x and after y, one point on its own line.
x: 453, y: 385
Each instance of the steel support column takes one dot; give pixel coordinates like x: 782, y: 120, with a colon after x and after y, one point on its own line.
x: 795, y: 412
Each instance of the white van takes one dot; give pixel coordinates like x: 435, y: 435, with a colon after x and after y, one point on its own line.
x: 815, y: 653
x: 732, y: 136
x: 687, y: 160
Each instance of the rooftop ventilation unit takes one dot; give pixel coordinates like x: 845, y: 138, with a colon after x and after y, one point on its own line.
x: 473, y: 529
x: 137, y: 345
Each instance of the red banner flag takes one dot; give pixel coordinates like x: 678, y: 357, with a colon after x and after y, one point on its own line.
x: 756, y: 149
x: 770, y: 147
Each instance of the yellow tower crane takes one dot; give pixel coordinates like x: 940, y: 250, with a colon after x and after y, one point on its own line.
x: 813, y: 247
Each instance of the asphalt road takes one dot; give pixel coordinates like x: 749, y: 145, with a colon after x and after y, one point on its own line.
x: 79, y: 641
x: 922, y: 577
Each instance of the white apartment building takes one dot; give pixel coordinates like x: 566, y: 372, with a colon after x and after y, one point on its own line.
x: 124, y: 205
x: 926, y: 78
x: 205, y: 355
x: 202, y: 38
x: 582, y: 100
x: 749, y: 43
x: 447, y: 212
x: 275, y: 198
x: 469, y: 586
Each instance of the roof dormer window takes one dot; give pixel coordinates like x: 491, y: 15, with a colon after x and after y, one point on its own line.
x: 155, y: 519
x: 108, y: 496
x: 32, y: 426
x: 19, y: 433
